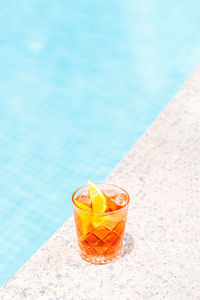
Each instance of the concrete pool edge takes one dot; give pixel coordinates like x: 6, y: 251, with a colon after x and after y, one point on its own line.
x: 162, y: 219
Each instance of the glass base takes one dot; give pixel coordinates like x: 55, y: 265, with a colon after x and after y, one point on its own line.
x: 100, y: 260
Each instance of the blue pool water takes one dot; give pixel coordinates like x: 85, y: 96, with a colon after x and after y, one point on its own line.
x: 80, y: 82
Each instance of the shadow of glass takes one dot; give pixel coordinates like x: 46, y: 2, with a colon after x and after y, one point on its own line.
x: 128, y: 244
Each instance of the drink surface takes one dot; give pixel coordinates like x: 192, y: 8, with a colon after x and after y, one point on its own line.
x: 100, y: 235
x: 115, y: 200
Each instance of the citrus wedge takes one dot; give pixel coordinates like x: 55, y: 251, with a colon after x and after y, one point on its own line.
x: 83, y: 218
x: 82, y: 206
x: 99, y: 202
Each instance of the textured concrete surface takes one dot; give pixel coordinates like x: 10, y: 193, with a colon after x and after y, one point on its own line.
x: 162, y: 175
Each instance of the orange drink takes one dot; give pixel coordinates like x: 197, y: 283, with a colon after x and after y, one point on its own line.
x: 100, y: 213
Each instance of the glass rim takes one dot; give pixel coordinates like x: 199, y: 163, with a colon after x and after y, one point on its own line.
x: 105, y: 213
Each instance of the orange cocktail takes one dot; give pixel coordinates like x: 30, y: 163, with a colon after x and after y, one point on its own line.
x: 100, y: 234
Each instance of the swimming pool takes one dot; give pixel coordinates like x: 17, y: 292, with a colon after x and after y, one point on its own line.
x: 80, y: 83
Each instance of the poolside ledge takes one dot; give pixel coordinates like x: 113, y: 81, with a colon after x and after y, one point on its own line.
x: 162, y: 175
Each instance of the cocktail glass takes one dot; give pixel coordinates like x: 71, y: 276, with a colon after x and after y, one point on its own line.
x: 100, y: 235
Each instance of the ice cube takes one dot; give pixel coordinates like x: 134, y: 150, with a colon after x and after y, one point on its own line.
x: 83, y: 197
x: 120, y: 200
x: 111, y: 206
x: 84, y: 193
x: 110, y: 193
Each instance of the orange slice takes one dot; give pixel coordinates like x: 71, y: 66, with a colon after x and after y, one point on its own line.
x: 82, y: 206
x: 84, y: 215
x: 99, y: 202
